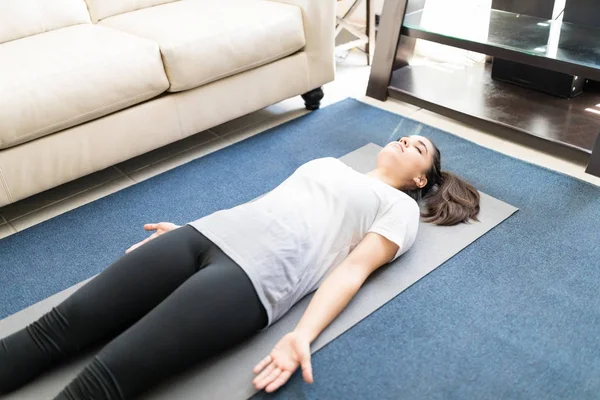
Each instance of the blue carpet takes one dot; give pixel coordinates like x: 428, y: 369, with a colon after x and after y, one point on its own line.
x: 513, y: 316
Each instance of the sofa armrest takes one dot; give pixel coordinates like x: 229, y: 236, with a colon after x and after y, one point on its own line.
x: 5, y: 197
x: 319, y: 26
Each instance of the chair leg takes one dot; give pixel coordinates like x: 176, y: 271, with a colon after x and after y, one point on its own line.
x: 312, y: 99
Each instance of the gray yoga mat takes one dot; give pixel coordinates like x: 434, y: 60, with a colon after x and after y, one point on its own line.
x: 230, y: 375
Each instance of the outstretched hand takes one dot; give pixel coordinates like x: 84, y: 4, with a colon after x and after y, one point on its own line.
x: 291, y: 351
x: 160, y: 228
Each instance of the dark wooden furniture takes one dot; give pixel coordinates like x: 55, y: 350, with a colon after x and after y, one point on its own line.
x: 470, y: 95
x: 593, y: 167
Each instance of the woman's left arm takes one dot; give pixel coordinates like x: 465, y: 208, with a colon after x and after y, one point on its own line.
x: 334, y: 294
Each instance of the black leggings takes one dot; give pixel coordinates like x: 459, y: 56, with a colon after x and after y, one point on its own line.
x: 168, y: 304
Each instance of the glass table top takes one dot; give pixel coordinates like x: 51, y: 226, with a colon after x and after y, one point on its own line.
x: 558, y: 40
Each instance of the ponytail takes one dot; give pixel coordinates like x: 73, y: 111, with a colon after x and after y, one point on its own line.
x: 452, y: 202
x: 448, y: 199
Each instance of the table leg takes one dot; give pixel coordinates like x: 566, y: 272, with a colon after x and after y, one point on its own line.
x: 387, y: 44
x: 593, y: 167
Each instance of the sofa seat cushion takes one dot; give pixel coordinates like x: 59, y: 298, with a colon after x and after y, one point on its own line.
x: 202, y: 41
x: 72, y: 75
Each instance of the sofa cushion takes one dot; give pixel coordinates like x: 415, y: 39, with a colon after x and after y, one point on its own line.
x: 65, y: 77
x: 204, y: 41
x: 22, y: 18
x: 100, y: 9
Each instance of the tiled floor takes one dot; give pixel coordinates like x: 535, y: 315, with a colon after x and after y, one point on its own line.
x: 351, y: 81
x: 5, y: 229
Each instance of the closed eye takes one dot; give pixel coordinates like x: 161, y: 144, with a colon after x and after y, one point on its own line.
x: 405, y: 142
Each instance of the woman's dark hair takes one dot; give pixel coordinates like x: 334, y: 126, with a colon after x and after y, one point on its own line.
x: 448, y: 199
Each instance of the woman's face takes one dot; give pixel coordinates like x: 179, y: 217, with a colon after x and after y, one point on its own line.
x: 407, y: 159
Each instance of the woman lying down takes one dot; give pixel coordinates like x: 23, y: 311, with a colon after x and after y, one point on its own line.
x: 189, y: 292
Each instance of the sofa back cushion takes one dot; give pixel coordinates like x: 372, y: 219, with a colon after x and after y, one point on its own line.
x: 100, y: 9
x: 22, y: 18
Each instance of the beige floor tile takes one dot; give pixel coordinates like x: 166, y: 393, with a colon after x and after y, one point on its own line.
x: 391, y: 105
x: 71, y: 203
x: 130, y: 166
x: 6, y: 230
x: 51, y: 196
x: 338, y: 93
x: 516, y: 144
x: 348, y: 85
x: 178, y: 159
x: 292, y: 104
x: 350, y: 61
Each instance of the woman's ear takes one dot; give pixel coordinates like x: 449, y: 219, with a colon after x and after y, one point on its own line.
x: 420, y: 181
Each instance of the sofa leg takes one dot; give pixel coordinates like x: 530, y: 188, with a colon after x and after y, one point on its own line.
x: 312, y: 99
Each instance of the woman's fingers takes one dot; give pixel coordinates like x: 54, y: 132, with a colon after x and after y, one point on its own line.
x: 306, y: 367
x: 270, y: 378
x: 279, y: 382
x: 148, y: 227
x: 149, y: 238
x: 307, y: 374
x: 263, y: 375
x: 262, y: 364
x: 135, y: 246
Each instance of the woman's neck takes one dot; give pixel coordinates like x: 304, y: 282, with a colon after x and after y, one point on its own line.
x: 382, y: 175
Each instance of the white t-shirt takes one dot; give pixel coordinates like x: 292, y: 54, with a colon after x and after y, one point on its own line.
x: 289, y: 240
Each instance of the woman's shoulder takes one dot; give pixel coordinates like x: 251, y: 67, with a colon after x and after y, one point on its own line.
x: 323, y: 162
x: 405, y: 204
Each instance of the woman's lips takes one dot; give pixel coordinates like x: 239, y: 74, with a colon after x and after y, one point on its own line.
x: 400, y: 146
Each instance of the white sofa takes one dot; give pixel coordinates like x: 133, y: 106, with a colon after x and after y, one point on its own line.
x: 86, y: 84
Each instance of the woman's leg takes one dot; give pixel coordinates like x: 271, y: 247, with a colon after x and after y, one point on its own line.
x: 212, y: 311
x: 104, y: 307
